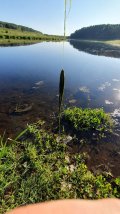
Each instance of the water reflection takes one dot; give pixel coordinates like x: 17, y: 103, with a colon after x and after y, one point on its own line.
x: 96, y: 48
x: 29, y: 75
x: 104, y: 86
x: 84, y: 89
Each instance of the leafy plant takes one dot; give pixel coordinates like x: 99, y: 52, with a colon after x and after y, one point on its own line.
x: 88, y: 119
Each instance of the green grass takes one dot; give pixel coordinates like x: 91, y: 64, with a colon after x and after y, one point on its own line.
x: 88, y: 119
x: 36, y: 168
x: 10, y: 36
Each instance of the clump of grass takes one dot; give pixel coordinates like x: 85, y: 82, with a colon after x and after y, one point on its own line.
x: 88, y: 119
x: 45, y: 165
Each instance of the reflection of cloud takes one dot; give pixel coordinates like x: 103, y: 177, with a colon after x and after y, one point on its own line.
x: 72, y: 101
x: 84, y: 89
x: 104, y: 86
x: 35, y: 87
x: 116, y: 113
x: 117, y: 94
x: 116, y: 116
x: 115, y: 80
x: 107, y: 102
x: 101, y: 88
x: 116, y: 89
x: 39, y: 83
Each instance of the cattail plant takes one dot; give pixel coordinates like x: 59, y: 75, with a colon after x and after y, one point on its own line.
x: 62, y: 76
x: 61, y: 95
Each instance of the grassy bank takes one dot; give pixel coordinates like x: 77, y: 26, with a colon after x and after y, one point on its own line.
x: 11, y: 36
x: 12, y: 42
x: 42, y: 160
x: 18, y: 42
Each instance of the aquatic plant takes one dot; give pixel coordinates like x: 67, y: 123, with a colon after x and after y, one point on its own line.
x: 61, y: 94
x: 88, y: 119
x: 62, y: 77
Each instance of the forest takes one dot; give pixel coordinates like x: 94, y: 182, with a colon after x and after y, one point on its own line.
x: 16, y: 27
x: 98, y: 32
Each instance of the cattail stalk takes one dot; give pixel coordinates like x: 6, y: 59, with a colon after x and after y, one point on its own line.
x: 61, y: 94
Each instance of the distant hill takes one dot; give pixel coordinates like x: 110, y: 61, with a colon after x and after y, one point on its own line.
x: 17, y: 27
x: 98, y: 32
x: 12, y: 34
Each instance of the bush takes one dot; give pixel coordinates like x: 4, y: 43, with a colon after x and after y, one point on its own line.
x: 6, y: 36
x: 88, y: 119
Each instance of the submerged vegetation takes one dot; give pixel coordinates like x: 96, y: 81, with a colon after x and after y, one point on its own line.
x: 36, y: 159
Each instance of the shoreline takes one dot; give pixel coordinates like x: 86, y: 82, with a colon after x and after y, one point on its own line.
x: 4, y: 43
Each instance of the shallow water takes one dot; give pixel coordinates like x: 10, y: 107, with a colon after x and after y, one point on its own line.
x: 30, y: 75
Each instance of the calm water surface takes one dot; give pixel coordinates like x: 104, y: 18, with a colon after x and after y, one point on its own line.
x: 29, y: 75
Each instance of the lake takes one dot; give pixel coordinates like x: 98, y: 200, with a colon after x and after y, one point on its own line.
x: 29, y: 75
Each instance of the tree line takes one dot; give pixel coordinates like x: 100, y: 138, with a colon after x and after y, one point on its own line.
x: 98, y: 32
x: 16, y: 27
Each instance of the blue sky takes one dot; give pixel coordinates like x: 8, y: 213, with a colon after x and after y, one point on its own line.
x: 47, y: 15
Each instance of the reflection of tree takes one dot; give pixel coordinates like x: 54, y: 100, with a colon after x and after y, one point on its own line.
x: 96, y: 48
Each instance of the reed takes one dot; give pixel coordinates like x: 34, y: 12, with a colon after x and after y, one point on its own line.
x: 62, y: 76
x: 61, y: 95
